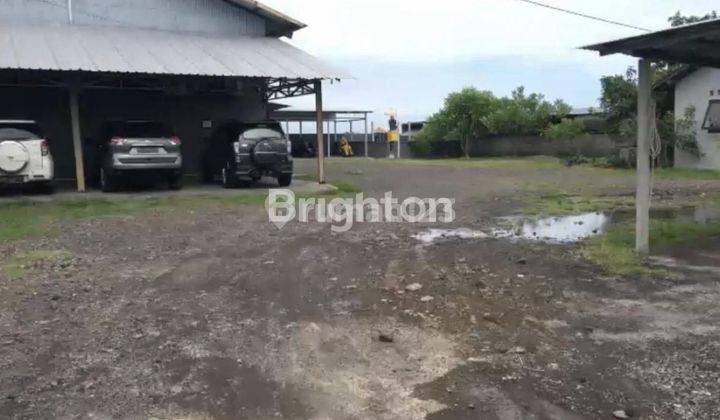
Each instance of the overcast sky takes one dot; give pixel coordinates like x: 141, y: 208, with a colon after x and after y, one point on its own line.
x: 410, y: 54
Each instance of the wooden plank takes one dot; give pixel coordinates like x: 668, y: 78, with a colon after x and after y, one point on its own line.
x: 77, y: 137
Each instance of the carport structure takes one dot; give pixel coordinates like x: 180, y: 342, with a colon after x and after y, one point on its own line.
x: 329, y: 116
x: 695, y: 44
x: 196, y: 59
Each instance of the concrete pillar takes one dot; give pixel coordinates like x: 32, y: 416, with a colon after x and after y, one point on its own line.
x: 335, y: 129
x: 319, y: 121
x: 77, y: 136
x: 366, y: 136
x: 329, y: 140
x: 399, y: 142
x: 642, y: 204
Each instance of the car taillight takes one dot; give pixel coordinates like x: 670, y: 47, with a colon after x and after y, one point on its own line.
x: 45, y: 148
x: 175, y: 140
x: 117, y: 141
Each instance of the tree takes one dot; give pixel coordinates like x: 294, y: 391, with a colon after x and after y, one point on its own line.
x: 523, y: 114
x: 471, y: 114
x: 461, y: 118
x: 619, y: 98
x: 678, y: 19
x: 566, y: 129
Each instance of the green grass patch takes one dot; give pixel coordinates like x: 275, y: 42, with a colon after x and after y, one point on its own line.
x: 558, y: 204
x: 615, y: 251
x: 24, y: 219
x: 680, y: 173
x: 516, y: 163
x: 18, y: 266
x: 663, y: 173
x: 344, y: 189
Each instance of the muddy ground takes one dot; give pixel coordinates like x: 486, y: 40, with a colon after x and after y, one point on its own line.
x: 216, y: 314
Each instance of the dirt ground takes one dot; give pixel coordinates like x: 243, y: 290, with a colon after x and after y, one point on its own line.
x: 217, y: 314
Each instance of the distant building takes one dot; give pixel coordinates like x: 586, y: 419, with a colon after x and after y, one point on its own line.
x: 411, y: 129
x: 592, y: 117
x: 699, y: 89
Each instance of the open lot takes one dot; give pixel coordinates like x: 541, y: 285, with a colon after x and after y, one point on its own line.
x: 194, y: 306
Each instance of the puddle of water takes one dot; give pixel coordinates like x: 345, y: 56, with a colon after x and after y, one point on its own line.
x: 560, y: 229
x: 564, y: 229
x: 434, y: 235
x: 701, y: 214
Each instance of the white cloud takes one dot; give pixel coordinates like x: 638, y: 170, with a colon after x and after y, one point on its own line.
x: 410, y: 53
x: 422, y: 31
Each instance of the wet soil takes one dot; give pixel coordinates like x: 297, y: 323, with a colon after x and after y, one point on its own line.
x: 215, y: 313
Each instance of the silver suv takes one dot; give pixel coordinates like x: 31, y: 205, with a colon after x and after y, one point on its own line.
x: 24, y: 154
x: 141, y: 149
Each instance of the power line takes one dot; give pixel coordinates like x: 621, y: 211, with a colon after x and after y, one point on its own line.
x: 571, y: 12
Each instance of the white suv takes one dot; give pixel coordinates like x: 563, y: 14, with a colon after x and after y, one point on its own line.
x: 24, y: 154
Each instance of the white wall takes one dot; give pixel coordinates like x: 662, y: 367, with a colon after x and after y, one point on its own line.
x: 697, y: 90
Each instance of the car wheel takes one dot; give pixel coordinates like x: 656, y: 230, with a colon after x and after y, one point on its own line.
x: 107, y: 183
x: 285, y: 180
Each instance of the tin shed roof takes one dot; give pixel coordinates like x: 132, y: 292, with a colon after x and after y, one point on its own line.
x: 143, y: 51
x: 278, y: 23
x: 689, y: 44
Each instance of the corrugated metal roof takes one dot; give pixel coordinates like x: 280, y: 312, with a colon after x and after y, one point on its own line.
x: 279, y: 24
x: 123, y: 50
x: 689, y: 44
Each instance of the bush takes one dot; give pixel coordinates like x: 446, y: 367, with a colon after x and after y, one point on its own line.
x: 614, y: 162
x: 565, y: 129
x: 422, y: 148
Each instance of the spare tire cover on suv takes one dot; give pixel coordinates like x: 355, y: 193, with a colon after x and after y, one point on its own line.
x: 267, y: 152
x: 13, y: 156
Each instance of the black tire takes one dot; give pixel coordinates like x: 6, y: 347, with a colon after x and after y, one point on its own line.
x: 108, y: 182
x: 175, y: 182
x: 285, y: 180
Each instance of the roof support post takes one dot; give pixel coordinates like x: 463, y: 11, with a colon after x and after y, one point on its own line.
x: 642, y: 204
x: 329, y: 139
x: 366, y: 137
x: 74, y: 92
x: 319, y: 122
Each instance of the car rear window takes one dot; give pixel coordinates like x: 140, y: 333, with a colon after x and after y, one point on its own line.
x: 17, y: 134
x: 135, y: 129
x: 261, y: 134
